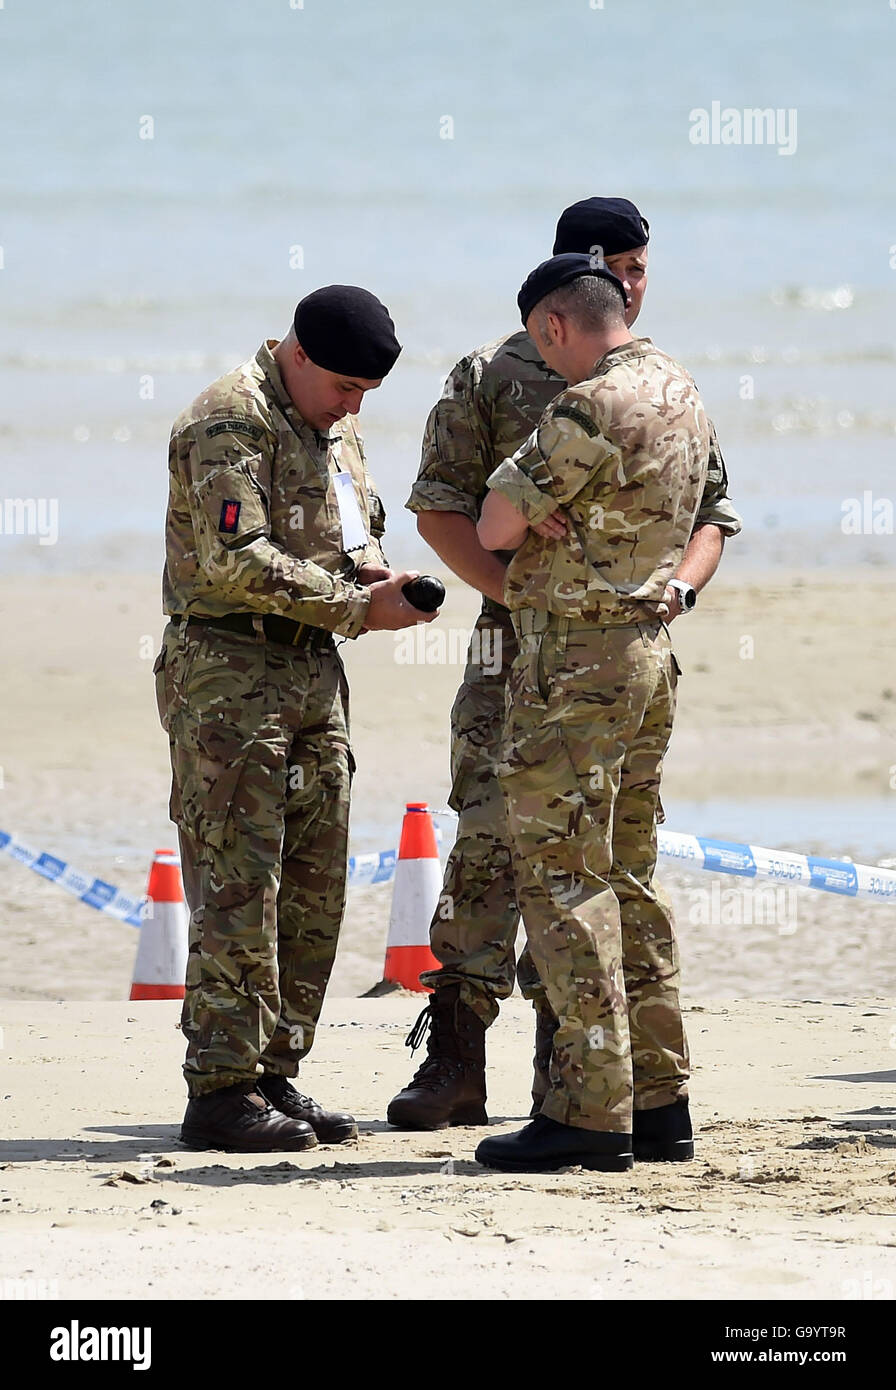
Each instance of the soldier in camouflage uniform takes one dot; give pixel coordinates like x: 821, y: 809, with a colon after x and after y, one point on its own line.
x: 601, y: 501
x: 273, y: 547
x: 491, y: 402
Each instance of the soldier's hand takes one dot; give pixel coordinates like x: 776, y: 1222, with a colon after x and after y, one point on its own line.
x: 369, y: 574
x: 670, y: 606
x: 389, y: 609
x: 554, y: 527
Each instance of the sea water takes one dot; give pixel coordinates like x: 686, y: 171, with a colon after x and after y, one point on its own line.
x: 174, y: 176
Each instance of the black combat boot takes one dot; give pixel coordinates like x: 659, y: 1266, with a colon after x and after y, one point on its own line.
x: 545, y: 1027
x: 449, y: 1088
x: 545, y: 1145
x: 330, y: 1126
x: 238, y: 1119
x: 663, y: 1135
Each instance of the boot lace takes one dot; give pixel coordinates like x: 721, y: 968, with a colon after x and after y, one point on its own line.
x: 280, y: 1086
x: 434, y: 1070
x: 419, y: 1029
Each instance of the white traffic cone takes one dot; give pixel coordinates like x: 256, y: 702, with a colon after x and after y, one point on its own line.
x: 415, y: 897
x: 161, y: 965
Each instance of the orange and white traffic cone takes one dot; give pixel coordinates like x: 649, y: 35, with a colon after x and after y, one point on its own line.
x: 415, y: 897
x: 161, y: 965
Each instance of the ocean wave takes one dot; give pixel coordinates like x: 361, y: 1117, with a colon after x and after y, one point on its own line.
x: 436, y: 360
x: 116, y: 364
x: 807, y: 297
x: 810, y: 415
x: 789, y: 356
x: 402, y: 434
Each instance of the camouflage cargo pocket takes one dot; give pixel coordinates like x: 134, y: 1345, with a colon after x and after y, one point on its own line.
x: 209, y: 763
x: 465, y: 759
x: 477, y: 717
x: 167, y: 671
x: 219, y: 698
x: 545, y: 803
x: 163, y: 693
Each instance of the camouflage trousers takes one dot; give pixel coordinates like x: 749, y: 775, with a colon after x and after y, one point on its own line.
x: 261, y: 769
x: 589, y: 717
x: 476, y: 944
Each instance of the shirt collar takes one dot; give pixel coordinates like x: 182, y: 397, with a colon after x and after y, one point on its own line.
x: 267, y: 363
x: 625, y: 352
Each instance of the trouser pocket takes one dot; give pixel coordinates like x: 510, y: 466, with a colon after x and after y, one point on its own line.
x: 217, y: 686
x: 167, y: 673
x: 213, y: 791
x: 162, y: 695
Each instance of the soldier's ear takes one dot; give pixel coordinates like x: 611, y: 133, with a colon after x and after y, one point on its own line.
x: 555, y: 329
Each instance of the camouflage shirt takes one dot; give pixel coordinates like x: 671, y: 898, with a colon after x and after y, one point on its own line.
x: 492, y: 401
x: 625, y: 453
x: 253, y: 521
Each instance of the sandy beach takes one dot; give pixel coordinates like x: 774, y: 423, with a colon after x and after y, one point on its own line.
x: 811, y: 714
x: 153, y: 236
x: 793, y: 1192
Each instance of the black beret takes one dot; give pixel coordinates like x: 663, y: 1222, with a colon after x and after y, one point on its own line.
x: 559, y: 270
x: 613, y: 224
x: 347, y: 330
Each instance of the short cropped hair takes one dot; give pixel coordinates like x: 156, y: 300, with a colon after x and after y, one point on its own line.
x: 589, y: 301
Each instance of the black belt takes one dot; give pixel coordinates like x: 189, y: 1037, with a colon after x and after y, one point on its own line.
x: 276, y: 629
x: 496, y: 609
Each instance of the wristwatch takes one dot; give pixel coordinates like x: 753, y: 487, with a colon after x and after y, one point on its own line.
x: 687, y: 594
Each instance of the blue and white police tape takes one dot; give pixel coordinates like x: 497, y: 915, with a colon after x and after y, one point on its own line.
x: 753, y: 861
x: 95, y: 892
x: 720, y: 857
x: 690, y: 851
x: 372, y: 868
x: 379, y: 868
x: 92, y: 891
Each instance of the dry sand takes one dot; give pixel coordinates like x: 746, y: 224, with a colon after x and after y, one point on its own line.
x: 792, y: 1194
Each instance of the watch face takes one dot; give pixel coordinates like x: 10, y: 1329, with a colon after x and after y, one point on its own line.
x: 687, y: 595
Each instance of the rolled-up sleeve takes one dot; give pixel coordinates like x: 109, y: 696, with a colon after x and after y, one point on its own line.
x: 716, y: 508
x: 559, y: 458
x: 457, y: 454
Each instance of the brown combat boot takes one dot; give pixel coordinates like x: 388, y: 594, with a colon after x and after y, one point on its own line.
x: 239, y: 1120
x: 545, y: 1028
x: 330, y: 1126
x: 449, y: 1088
